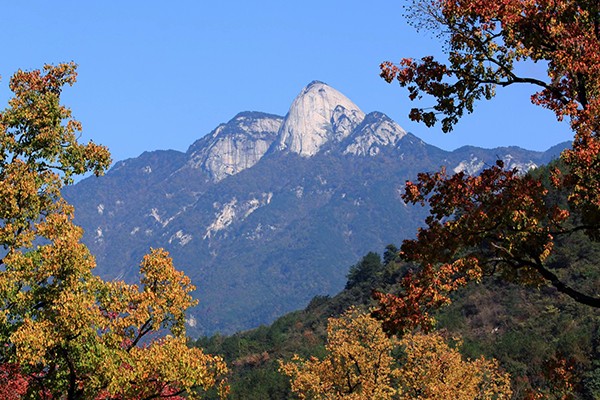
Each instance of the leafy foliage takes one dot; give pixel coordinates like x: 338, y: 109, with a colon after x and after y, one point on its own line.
x: 431, y: 369
x: 539, y: 337
x: 66, y: 333
x: 501, y: 222
x: 360, y: 364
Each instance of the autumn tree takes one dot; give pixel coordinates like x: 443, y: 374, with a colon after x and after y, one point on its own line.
x: 362, y: 363
x: 65, y: 333
x: 433, y: 370
x: 359, y: 364
x: 502, y: 222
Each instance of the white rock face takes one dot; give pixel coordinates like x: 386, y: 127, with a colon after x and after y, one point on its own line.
x: 381, y: 132
x: 191, y: 321
x: 181, y: 238
x: 475, y: 165
x: 223, y: 219
x: 154, y: 213
x: 238, y: 145
x: 471, y: 167
x: 234, y: 211
x: 319, y: 114
x: 523, y: 167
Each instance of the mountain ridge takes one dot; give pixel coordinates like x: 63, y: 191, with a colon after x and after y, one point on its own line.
x: 261, y: 229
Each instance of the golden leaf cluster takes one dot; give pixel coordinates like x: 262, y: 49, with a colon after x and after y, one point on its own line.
x: 362, y: 362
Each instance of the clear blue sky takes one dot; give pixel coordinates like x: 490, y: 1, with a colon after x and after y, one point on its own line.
x: 159, y: 75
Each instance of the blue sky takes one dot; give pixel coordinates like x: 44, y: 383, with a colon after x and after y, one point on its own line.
x: 160, y: 75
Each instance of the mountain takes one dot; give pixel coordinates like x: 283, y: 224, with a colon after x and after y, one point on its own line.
x: 265, y: 212
x: 319, y: 115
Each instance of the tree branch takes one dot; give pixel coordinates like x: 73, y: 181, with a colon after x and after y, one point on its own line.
x: 564, y: 288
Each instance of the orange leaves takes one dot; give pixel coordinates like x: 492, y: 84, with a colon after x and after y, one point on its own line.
x: 498, y: 222
x: 31, y: 340
x: 583, y: 179
x: 132, y: 315
x: 165, y: 365
x: 498, y: 214
x: 389, y: 71
x: 501, y: 218
x: 160, y: 278
x: 24, y: 83
x: 486, y: 38
x: 423, y: 292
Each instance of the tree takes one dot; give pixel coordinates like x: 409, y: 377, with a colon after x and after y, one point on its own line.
x: 66, y: 333
x: 361, y: 363
x: 365, y: 272
x: 502, y: 222
x: 432, y: 370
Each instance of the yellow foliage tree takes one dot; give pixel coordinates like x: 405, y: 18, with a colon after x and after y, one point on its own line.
x: 432, y: 370
x: 360, y: 364
x: 65, y: 333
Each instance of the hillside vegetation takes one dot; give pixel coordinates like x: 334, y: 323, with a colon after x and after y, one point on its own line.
x: 546, y: 341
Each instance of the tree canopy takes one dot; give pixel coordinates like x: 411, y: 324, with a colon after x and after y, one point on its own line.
x: 362, y: 363
x: 503, y: 222
x: 66, y: 333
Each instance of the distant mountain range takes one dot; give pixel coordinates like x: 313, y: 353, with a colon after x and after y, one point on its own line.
x: 265, y: 212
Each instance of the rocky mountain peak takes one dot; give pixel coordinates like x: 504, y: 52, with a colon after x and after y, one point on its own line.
x: 376, y: 131
x: 319, y: 114
x: 236, y: 145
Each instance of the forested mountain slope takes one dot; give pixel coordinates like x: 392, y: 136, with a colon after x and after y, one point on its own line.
x: 266, y: 212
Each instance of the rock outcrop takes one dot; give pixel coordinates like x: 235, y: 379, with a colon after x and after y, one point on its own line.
x: 236, y: 145
x: 375, y: 132
x: 318, y: 115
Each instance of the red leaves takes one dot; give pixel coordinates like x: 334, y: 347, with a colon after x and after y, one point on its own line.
x: 13, y: 384
x: 52, y: 80
x: 500, y: 222
x: 423, y: 77
x: 423, y: 292
x: 497, y: 222
x: 485, y: 40
x: 499, y: 209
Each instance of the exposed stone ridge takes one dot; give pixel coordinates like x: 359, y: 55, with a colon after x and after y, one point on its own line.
x: 474, y: 165
x: 235, y: 146
x: 319, y: 114
x: 376, y: 131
